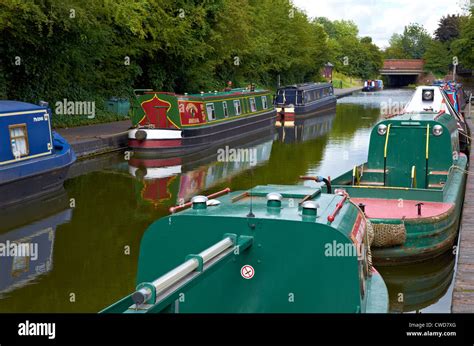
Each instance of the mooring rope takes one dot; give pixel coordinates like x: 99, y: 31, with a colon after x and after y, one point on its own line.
x: 461, y: 169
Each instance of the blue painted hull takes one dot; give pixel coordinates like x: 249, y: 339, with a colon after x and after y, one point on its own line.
x: 36, y: 177
x: 314, y: 108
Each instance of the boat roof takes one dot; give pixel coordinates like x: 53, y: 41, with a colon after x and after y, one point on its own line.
x: 17, y: 106
x: 232, y: 92
x: 306, y: 86
x: 236, y: 92
x: 438, y: 104
x: 417, y: 116
x: 237, y: 204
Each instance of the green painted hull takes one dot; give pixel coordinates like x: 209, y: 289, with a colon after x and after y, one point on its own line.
x: 387, y: 185
x: 296, y: 270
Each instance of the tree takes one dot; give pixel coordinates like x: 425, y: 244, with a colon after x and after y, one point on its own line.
x: 448, y: 28
x: 412, y: 44
x: 437, y: 58
x: 463, y: 47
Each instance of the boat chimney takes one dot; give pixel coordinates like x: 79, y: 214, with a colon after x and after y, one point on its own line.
x: 199, y: 202
x: 274, y: 200
x: 310, y: 209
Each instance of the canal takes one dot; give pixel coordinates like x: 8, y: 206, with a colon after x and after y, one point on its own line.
x: 89, y: 234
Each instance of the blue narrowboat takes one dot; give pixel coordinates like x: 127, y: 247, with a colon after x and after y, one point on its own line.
x: 373, y: 85
x: 301, y: 101
x: 34, y: 160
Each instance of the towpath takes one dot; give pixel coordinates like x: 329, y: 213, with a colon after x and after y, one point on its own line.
x: 97, y: 139
x: 463, y: 292
x: 345, y: 92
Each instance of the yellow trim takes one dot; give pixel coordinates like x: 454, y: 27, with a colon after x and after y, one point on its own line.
x: 26, y: 157
x: 25, y: 112
x: 227, y: 99
x: 149, y: 100
x: 381, y: 187
x: 427, y: 141
x: 386, y: 141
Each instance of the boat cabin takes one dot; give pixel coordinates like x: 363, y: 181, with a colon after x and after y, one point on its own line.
x: 164, y: 110
x: 303, y: 94
x: 25, y: 131
x: 408, y: 153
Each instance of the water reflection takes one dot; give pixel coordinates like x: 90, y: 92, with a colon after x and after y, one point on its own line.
x: 306, y: 129
x: 27, y: 235
x: 414, y: 287
x: 177, y: 179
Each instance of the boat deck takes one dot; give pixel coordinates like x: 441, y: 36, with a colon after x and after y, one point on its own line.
x: 463, y: 292
x: 377, y: 208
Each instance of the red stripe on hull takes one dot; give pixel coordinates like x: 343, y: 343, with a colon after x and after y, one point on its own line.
x: 289, y: 117
x: 154, y: 143
x: 154, y: 163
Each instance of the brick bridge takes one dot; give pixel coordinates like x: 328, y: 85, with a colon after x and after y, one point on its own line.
x: 401, y: 72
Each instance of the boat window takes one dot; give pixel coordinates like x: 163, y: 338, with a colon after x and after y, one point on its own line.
x: 280, y: 96
x: 237, y: 108
x: 290, y: 97
x: 253, y: 106
x: 264, y: 102
x: 19, y: 140
x: 299, y: 97
x: 211, y: 114
x: 224, y: 107
x: 331, y: 91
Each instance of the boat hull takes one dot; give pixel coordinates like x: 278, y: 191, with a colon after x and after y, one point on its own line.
x: 427, y: 236
x: 197, y: 139
x: 371, y: 89
x: 35, y: 178
x: 315, y: 109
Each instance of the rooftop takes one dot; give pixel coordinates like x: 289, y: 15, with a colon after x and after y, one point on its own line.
x: 237, y: 204
x: 17, y: 106
x: 232, y: 92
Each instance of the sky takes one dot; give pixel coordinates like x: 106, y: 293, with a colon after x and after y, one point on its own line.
x: 379, y: 19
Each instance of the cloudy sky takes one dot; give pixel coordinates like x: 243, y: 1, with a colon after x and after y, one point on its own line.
x: 379, y: 19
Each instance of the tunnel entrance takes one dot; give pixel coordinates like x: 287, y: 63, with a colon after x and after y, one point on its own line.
x: 401, y: 72
x: 397, y: 81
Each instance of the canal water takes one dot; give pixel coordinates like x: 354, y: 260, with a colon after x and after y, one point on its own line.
x: 89, y: 235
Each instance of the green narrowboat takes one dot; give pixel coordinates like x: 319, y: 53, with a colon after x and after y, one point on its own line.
x: 271, y: 249
x: 171, y: 124
x: 412, y: 186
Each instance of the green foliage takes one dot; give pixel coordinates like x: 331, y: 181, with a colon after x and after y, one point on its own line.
x: 463, y: 47
x: 91, y: 50
x: 351, y: 55
x: 437, y: 58
x: 448, y: 28
x: 412, y: 44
